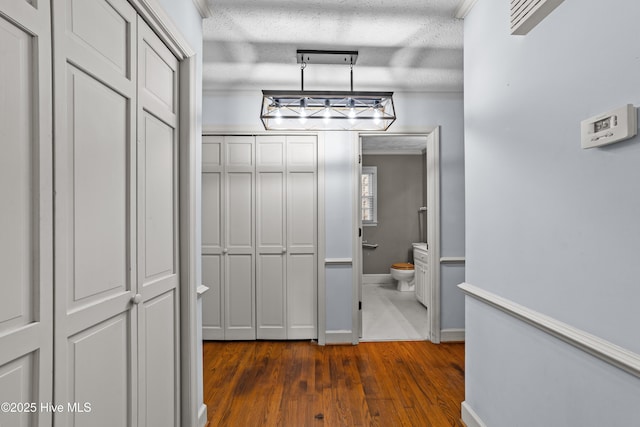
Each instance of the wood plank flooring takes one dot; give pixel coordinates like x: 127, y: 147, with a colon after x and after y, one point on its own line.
x: 298, y: 384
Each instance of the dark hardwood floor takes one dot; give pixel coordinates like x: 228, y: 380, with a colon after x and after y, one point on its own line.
x: 297, y: 384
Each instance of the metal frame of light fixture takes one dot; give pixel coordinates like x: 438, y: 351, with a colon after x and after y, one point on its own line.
x: 326, y: 110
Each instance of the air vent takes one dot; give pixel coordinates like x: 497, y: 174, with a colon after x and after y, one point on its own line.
x: 526, y: 14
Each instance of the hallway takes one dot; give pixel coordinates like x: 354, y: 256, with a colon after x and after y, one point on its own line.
x: 297, y: 383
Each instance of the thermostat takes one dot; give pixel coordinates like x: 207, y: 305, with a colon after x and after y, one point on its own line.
x: 613, y: 126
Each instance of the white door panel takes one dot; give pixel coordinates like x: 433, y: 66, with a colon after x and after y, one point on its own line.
x: 17, y: 385
x: 98, y: 376
x: 239, y: 194
x: 301, y: 212
x: 26, y: 223
x: 211, y: 211
x: 239, y: 297
x: 271, y: 296
x: 301, y: 293
x: 159, y: 386
x: 114, y: 50
x: 100, y: 235
x: 17, y: 172
x: 157, y: 144
x: 213, y: 299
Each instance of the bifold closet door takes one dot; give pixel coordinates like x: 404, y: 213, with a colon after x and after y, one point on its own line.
x: 116, y: 318
x: 212, y: 237
x: 95, y: 152
x: 286, y: 216
x: 271, y: 239
x: 302, y: 237
x: 26, y: 292
x: 157, y: 295
x: 239, y: 238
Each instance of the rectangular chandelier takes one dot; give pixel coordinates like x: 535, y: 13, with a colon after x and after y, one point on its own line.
x: 327, y: 110
x: 331, y: 110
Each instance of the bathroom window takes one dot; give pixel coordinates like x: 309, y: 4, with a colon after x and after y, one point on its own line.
x: 369, y: 196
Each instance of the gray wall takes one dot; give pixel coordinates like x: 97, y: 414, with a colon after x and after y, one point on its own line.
x: 236, y: 111
x: 400, y: 187
x: 551, y: 226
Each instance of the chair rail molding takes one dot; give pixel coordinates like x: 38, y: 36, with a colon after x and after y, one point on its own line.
x: 604, y: 350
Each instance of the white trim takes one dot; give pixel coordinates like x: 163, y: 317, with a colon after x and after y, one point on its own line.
x: 202, y: 416
x: 376, y: 279
x: 203, y: 8
x: 604, y: 350
x: 356, y: 237
x: 464, y: 8
x: 470, y: 418
x: 164, y: 27
x: 338, y: 261
x: 452, y: 335
x: 452, y: 260
x: 406, y: 152
x: 322, y: 286
x: 189, y: 251
x: 433, y: 227
x: 201, y: 290
x: 433, y: 232
x: 338, y: 337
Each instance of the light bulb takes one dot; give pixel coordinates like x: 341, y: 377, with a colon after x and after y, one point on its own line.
x: 327, y: 111
x: 376, y: 113
x: 352, y: 109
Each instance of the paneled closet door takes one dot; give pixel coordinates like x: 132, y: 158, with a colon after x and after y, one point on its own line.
x: 271, y: 245
x: 95, y: 151
x: 212, y: 237
x: 26, y: 290
x: 157, y: 296
x: 239, y: 241
x: 302, y: 237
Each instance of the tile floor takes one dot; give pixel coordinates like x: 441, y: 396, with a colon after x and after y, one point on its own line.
x: 390, y: 315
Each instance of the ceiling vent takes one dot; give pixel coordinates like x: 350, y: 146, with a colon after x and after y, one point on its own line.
x: 526, y: 14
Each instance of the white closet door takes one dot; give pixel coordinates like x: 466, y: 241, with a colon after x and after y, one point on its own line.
x: 26, y: 345
x: 212, y: 238
x: 95, y: 151
x: 158, y: 245
x: 239, y: 251
x: 271, y: 274
x: 302, y: 237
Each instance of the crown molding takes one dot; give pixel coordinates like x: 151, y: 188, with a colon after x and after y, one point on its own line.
x: 203, y: 8
x: 464, y: 8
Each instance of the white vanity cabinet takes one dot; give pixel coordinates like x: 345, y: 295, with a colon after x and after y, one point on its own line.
x: 421, y: 267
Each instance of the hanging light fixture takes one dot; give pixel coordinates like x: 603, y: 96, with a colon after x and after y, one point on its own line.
x: 326, y: 110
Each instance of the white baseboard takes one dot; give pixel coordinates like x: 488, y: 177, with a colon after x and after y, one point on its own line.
x: 338, y: 337
x: 470, y: 418
x: 202, y: 416
x: 452, y: 335
x: 376, y: 279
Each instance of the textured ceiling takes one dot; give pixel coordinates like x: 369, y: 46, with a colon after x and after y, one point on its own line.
x: 404, y: 45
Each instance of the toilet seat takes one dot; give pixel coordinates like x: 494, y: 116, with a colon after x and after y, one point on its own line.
x: 402, y: 266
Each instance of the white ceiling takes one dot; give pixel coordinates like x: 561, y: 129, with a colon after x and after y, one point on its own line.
x: 404, y: 45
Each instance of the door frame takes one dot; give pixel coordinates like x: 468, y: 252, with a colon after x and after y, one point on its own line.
x: 433, y: 229
x: 193, y: 411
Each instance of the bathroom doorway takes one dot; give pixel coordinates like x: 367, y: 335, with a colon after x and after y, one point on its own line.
x: 397, y: 210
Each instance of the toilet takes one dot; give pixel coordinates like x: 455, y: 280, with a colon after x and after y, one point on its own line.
x: 403, y: 272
